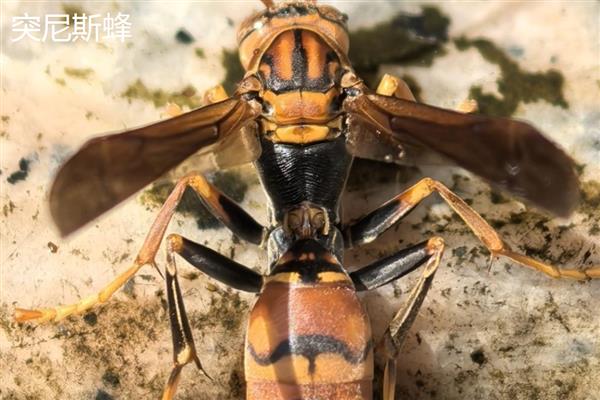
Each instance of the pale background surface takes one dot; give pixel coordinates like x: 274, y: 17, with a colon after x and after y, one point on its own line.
x: 539, y: 337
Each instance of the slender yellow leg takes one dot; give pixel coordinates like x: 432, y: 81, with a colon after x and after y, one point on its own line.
x: 144, y: 257
x: 395, y: 334
x: 484, y: 231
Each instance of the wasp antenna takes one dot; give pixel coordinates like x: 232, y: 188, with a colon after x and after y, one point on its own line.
x: 270, y: 4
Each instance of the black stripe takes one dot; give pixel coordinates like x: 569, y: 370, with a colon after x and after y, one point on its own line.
x: 310, y: 346
x: 300, y: 80
x: 299, y: 61
x: 309, y: 269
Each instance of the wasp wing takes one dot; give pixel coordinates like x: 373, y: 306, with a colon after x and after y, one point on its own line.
x: 108, y: 169
x: 510, y: 154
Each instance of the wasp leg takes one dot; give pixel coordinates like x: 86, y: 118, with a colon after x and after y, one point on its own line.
x: 391, y: 343
x: 391, y: 85
x: 215, y: 94
x: 216, y: 266
x: 372, y: 225
x: 227, y: 211
x: 390, y: 268
x: 212, y: 95
x: 184, y: 349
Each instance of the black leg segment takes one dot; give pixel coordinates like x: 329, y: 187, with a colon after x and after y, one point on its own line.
x: 217, y: 266
x: 391, y: 268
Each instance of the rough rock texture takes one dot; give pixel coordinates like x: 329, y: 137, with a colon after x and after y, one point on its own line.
x: 499, y: 333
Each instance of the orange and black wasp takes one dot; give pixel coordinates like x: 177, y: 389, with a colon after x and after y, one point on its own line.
x: 301, y: 114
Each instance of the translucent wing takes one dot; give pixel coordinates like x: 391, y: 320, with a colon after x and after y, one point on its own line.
x: 509, y: 154
x: 108, y: 169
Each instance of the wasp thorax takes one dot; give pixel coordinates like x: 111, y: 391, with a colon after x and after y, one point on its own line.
x: 306, y: 221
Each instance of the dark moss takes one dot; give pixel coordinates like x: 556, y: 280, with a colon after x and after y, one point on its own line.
x: 366, y: 173
x: 226, y: 309
x: 8, y: 208
x: 53, y: 247
x: 186, y: 97
x: 234, y: 72
x: 580, y: 168
x: 459, y: 251
x: 515, y: 85
x: 90, y: 318
x: 111, y: 378
x: 199, y: 52
x: 102, y: 395
x: 590, y: 197
x: 184, y: 37
x: 72, y: 9
x: 21, y: 174
x: 404, y: 39
x: 230, y: 183
x: 497, y: 197
x: 80, y: 73
x: 478, y: 357
x: 237, y: 384
x: 190, y: 275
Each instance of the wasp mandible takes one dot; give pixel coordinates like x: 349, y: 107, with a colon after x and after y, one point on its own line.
x: 300, y: 115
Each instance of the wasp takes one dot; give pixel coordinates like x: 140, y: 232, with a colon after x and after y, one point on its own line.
x: 301, y: 115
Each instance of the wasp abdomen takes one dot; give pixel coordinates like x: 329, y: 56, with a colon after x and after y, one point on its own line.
x: 308, y: 336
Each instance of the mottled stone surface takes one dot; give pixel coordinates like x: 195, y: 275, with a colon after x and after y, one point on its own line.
x: 504, y: 333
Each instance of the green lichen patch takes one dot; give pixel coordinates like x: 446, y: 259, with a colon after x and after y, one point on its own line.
x: 234, y: 72
x: 186, y: 97
x: 229, y: 182
x: 368, y: 173
x: 404, y: 39
x: 199, y: 52
x: 590, y: 198
x: 79, y: 73
x: 515, y: 85
x: 8, y: 208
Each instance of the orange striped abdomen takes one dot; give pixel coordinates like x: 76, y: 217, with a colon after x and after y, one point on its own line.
x: 309, y: 341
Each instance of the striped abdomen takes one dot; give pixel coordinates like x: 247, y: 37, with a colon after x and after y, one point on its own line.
x: 308, y: 335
